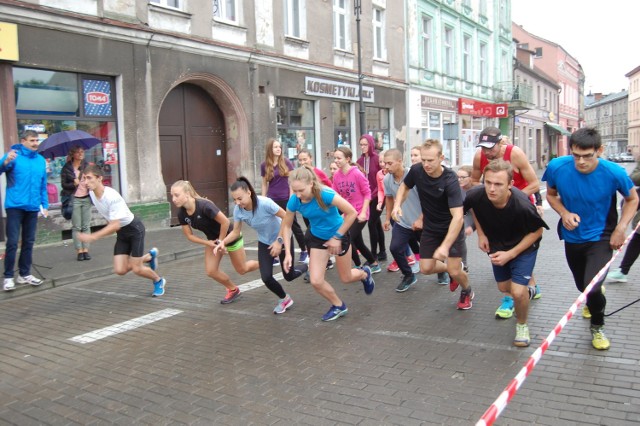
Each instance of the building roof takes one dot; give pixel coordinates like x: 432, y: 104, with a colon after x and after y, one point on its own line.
x: 611, y: 97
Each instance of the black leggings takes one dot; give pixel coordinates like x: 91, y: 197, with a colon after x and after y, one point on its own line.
x: 266, y: 269
x: 357, y: 243
x: 295, y: 226
x: 630, y: 256
x: 376, y: 233
x: 585, y: 260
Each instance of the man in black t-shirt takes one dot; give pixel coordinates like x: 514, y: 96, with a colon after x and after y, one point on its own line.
x: 441, y: 202
x: 509, y: 231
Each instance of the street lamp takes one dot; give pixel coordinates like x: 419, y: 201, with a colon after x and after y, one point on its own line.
x: 357, y: 6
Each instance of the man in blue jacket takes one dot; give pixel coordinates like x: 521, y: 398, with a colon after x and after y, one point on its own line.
x: 26, y: 195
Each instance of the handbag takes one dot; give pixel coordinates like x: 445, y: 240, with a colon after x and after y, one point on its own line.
x: 67, y: 206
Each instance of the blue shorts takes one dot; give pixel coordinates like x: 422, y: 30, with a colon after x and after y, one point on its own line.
x: 518, y: 270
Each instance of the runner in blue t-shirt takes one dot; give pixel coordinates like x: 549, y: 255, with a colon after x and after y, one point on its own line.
x: 582, y: 189
x: 265, y: 216
x: 325, y: 237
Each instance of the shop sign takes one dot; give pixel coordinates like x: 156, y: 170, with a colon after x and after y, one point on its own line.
x: 9, y: 42
x: 522, y: 120
x: 438, y: 103
x: 336, y: 89
x: 97, y: 97
x: 482, y: 109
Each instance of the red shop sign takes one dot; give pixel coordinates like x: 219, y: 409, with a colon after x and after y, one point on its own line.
x: 482, y: 109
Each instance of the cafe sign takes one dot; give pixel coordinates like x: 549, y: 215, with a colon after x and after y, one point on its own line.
x: 336, y: 89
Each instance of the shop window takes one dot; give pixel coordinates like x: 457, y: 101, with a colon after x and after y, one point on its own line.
x: 377, y: 121
x: 295, y: 126
x: 342, y: 123
x: 49, y: 102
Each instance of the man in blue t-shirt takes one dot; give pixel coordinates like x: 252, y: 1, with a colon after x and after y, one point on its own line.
x: 582, y: 189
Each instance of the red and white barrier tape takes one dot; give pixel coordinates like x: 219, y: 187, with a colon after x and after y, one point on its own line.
x: 501, y: 402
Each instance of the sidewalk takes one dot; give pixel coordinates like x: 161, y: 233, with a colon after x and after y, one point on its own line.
x: 57, y: 264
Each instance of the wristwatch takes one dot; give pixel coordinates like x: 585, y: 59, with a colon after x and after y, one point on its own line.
x: 280, y: 240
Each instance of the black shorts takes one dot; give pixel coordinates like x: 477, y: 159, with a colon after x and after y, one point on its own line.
x: 312, y: 241
x: 429, y: 243
x: 130, y: 239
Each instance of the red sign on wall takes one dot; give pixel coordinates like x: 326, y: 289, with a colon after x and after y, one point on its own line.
x: 482, y: 109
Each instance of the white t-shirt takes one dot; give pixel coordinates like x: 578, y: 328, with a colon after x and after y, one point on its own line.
x: 112, y: 206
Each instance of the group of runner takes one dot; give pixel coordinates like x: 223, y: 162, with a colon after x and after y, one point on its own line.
x: 430, y: 210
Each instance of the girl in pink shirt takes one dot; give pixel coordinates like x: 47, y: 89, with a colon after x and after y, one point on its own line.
x: 353, y: 186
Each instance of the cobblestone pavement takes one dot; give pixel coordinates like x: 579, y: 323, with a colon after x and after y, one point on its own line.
x: 396, y: 358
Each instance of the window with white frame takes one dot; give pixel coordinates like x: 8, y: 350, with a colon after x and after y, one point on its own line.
x: 484, y: 64
x: 427, y: 42
x: 226, y: 10
x: 379, y: 44
x: 341, y: 24
x: 466, y: 57
x: 176, y: 4
x: 295, y: 18
x: 505, y: 66
x: 447, y: 66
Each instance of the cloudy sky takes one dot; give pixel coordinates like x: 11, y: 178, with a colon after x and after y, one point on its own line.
x: 600, y: 35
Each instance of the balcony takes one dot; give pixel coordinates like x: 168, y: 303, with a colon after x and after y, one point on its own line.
x: 519, y: 96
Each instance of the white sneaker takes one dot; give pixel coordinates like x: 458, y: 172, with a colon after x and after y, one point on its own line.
x: 9, y: 284
x: 29, y: 279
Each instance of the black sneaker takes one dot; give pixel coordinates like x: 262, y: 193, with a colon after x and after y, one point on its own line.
x: 382, y: 257
x: 407, y: 281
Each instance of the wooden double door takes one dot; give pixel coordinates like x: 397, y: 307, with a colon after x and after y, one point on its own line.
x: 192, y: 144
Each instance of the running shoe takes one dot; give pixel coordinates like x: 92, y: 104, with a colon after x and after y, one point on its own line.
x: 382, y: 256
x: 599, y: 339
x: 586, y: 313
x: 538, y: 294
x: 9, y: 284
x: 368, y: 282
x: 506, y: 309
x: 522, y: 339
x: 304, y: 257
x: 411, y: 260
x: 466, y: 296
x: 276, y: 261
x: 306, y: 277
x: 153, y: 263
x: 375, y: 268
x: 330, y: 264
x: 158, y: 287
x: 617, y: 276
x: 28, y: 279
x: 417, y: 257
x: 444, y: 279
x: 231, y: 296
x: 335, y: 312
x: 407, y: 281
x: 393, y: 267
x: 283, y: 305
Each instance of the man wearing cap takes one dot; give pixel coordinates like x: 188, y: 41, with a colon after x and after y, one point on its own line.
x: 492, y: 147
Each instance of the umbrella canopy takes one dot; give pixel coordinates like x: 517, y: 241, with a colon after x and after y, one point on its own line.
x: 59, y: 144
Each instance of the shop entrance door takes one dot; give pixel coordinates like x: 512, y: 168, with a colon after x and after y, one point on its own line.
x: 192, y: 145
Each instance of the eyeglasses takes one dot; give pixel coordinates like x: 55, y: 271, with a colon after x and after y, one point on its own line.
x: 462, y: 177
x: 583, y: 156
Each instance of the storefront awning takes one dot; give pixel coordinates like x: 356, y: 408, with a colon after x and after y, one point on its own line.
x: 558, y: 128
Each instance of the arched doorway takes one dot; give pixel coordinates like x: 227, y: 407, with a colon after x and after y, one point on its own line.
x: 192, y: 144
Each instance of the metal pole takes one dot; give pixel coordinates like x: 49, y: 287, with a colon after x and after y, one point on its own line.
x: 363, y: 125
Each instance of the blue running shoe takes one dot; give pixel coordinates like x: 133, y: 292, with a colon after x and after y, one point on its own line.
x: 538, y: 294
x: 506, y: 309
x: 368, y: 282
x: 335, y: 312
x: 153, y: 263
x: 158, y: 287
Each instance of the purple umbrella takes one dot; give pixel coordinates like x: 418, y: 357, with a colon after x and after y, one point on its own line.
x: 59, y: 144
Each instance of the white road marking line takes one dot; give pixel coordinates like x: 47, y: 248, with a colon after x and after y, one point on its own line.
x: 256, y: 283
x: 125, y: 326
